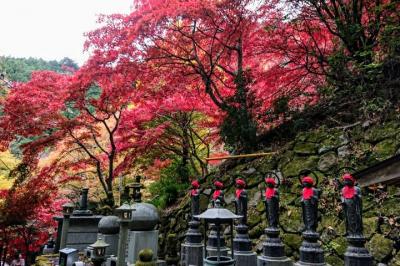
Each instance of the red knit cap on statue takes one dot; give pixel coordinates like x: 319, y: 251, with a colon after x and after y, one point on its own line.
x: 307, y: 179
x: 270, y: 180
x: 218, y: 184
x: 195, y: 184
x: 240, y: 182
x: 348, y: 176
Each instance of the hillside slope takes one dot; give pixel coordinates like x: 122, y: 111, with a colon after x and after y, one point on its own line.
x: 324, y: 151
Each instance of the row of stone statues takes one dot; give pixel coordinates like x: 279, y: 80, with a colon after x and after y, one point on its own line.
x: 310, y: 251
x: 350, y: 195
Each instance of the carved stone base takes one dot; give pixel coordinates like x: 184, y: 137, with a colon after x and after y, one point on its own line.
x: 192, y: 254
x: 274, y: 261
x: 273, y: 246
x: 311, y: 252
x: 245, y: 258
x: 356, y: 254
x: 273, y: 250
x: 241, y: 242
x: 212, y: 251
x: 193, y: 235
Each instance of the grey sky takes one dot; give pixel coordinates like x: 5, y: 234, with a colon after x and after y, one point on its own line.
x: 51, y: 29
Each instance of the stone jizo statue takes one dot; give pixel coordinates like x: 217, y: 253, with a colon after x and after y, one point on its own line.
x: 218, y: 193
x: 241, y: 200
x: 352, y: 205
x: 271, y: 201
x: 309, y: 200
x: 195, y: 197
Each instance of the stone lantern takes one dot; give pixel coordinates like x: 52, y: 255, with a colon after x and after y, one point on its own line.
x: 67, y: 210
x: 125, y: 216
x: 218, y: 216
x: 99, y: 252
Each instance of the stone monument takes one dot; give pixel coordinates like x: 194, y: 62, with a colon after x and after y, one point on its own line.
x: 242, y: 245
x: 273, y: 248
x: 311, y: 252
x: 212, y: 244
x: 109, y: 232
x: 83, y: 226
x: 142, y: 233
x: 192, y: 248
x: 356, y: 253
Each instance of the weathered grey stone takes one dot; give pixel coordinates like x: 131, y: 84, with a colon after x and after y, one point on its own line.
x: 192, y: 254
x: 139, y: 240
x: 109, y: 225
x: 344, y: 151
x: 144, y: 217
x: 327, y: 161
x: 82, y: 231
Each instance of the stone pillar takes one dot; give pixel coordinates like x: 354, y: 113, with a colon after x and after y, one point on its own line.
x: 123, y: 235
x: 64, y: 231
x: 192, y: 250
x: 83, y: 204
x: 242, y: 245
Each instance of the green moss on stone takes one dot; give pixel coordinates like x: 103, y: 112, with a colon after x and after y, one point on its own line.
x: 385, y: 149
x: 305, y: 148
x: 146, y: 258
x: 260, y: 206
x: 370, y: 226
x: 291, y: 219
x: 298, y: 164
x: 376, y: 134
x: 396, y: 260
x: 390, y: 207
x: 257, y: 231
x: 334, y: 260
x: 254, y: 218
x: 380, y: 247
x: 292, y: 240
x: 339, y: 245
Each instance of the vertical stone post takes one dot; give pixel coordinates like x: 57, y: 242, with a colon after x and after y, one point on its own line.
x: 192, y: 250
x: 64, y: 232
x: 67, y: 211
x: 242, y: 245
x: 123, y: 235
x: 125, y: 216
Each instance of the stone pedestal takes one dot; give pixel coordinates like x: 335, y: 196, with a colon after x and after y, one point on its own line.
x: 138, y: 240
x: 356, y: 254
x: 192, y: 250
x: 273, y: 250
x: 82, y: 231
x: 311, y: 252
x: 212, y: 243
x: 242, y: 247
x: 192, y: 254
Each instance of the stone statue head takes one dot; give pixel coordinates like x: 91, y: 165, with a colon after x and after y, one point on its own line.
x: 348, y: 180
x: 240, y: 183
x: 270, y: 182
x: 307, y: 181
